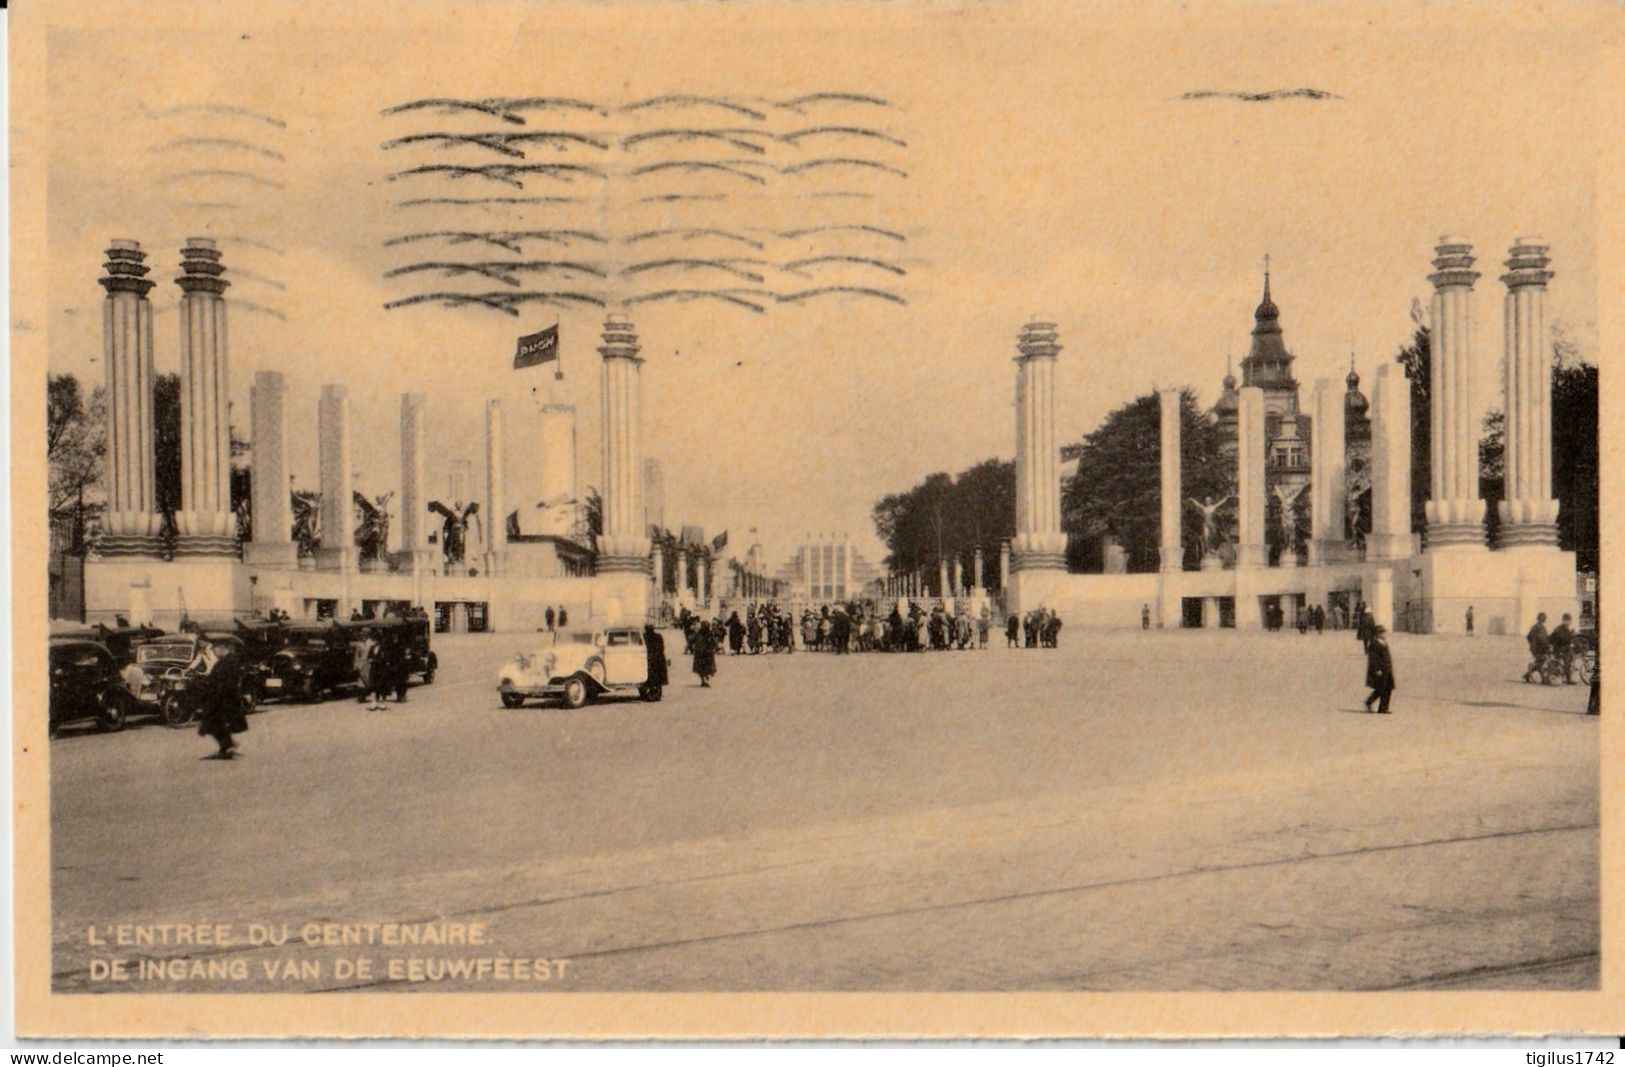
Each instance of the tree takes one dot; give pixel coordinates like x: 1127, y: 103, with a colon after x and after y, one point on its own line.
x: 1575, y: 461
x: 1116, y: 492
x: 946, y: 518
x: 75, y: 446
x: 590, y: 526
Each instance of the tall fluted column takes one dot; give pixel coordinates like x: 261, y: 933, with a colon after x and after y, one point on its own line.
x: 205, y: 522
x: 1455, y: 512
x: 1250, y: 478
x: 1004, y: 565
x: 496, y: 508
x: 1390, y: 465
x: 131, y: 524
x: 1040, y: 544
x: 625, y: 544
x: 337, y: 551
x: 1528, y: 513
x: 1173, y: 551
x: 417, y: 554
x: 272, y: 543
x: 1328, y: 460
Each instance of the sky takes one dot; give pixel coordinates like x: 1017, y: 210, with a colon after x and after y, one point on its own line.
x: 1050, y: 169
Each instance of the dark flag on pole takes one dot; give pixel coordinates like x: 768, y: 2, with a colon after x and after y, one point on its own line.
x: 719, y: 541
x: 537, y: 348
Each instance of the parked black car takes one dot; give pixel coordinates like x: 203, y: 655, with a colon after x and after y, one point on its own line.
x: 315, y: 659
x: 162, y: 686
x: 85, y: 686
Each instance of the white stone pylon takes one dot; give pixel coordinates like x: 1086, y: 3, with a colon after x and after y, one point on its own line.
x: 625, y: 542
x: 1040, y: 544
x: 337, y: 551
x: 496, y: 514
x: 131, y: 524
x: 1172, y: 504
x: 1455, y: 511
x: 1327, y: 475
x: 1250, y: 478
x: 977, y: 567
x: 701, y: 579
x: 1004, y: 565
x: 205, y: 522
x: 1390, y: 465
x: 272, y: 543
x: 1528, y: 512
x: 943, y: 588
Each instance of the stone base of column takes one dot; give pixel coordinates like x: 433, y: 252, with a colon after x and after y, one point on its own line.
x: 207, y: 589
x: 1210, y: 613
x: 132, y: 524
x: 1213, y: 562
x: 1380, y: 598
x: 1250, y: 556
x: 1528, y: 522
x: 621, y: 596
x: 206, y: 545
x: 1503, y: 588
x: 1288, y: 560
x: 114, y: 546
x: 494, y: 564
x: 1455, y: 522
x: 1456, y: 535
x: 1169, y: 613
x: 271, y: 554
x: 340, y: 558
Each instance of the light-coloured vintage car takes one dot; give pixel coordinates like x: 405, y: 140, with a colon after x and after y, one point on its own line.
x: 580, y: 667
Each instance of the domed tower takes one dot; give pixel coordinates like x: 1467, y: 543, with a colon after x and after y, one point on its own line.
x: 1269, y: 365
x: 1356, y: 410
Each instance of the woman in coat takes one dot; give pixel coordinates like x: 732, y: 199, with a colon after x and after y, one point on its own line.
x: 704, y: 647
x: 220, y: 675
x: 655, y: 647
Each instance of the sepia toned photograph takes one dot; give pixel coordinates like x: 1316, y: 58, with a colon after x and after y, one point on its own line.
x: 809, y: 506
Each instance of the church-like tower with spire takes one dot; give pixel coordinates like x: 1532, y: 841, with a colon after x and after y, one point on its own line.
x: 1268, y: 366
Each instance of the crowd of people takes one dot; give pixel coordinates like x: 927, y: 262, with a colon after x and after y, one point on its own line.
x: 858, y: 626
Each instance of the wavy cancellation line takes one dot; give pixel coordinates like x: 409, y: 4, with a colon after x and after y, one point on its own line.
x: 501, y: 142
x: 231, y: 144
x: 505, y: 108
x: 508, y: 302
x: 508, y: 240
x: 727, y: 266
x: 503, y: 271
x: 228, y: 110
x: 505, y: 173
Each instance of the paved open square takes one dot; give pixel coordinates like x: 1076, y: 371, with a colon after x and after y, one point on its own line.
x: 1176, y: 811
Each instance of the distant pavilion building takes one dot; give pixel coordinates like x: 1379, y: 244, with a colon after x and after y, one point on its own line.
x: 827, y: 569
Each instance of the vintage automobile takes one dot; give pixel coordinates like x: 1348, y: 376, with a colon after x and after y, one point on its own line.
x: 85, y: 685
x: 316, y: 658
x: 162, y: 685
x: 580, y: 667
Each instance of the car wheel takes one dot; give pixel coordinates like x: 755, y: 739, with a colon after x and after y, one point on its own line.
x: 176, y: 712
x: 113, y: 712
x: 577, y: 694
x: 249, y: 698
x: 650, y: 693
x: 428, y: 674
x: 512, y: 700
x: 311, y: 692
x: 596, y: 669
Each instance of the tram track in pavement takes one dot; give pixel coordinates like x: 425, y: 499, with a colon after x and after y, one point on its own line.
x: 1025, y: 895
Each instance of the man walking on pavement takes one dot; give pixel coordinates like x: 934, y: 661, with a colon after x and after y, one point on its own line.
x: 1540, y: 646
x: 1379, y: 670
x: 1563, y: 649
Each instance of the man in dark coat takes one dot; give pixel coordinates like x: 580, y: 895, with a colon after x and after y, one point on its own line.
x: 549, y: 618
x: 220, y: 678
x: 1379, y: 670
x: 1011, y: 624
x: 1563, y: 649
x: 736, y: 634
x: 655, y: 647
x: 1540, y: 646
x: 704, y: 647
